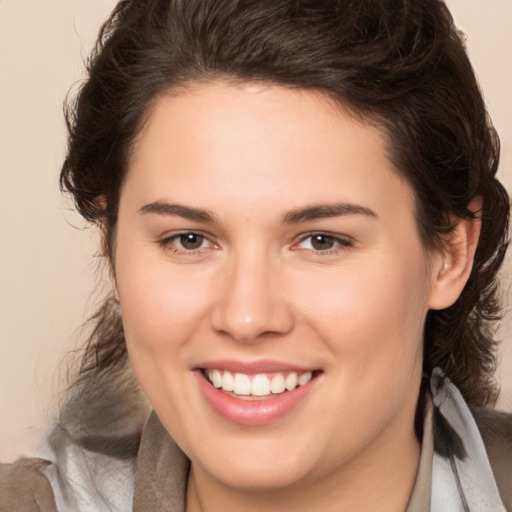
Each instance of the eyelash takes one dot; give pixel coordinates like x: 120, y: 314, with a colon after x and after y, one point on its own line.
x: 169, y: 242
x: 340, y: 244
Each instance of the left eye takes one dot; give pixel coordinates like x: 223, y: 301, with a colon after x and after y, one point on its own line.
x: 191, y: 241
x: 322, y: 242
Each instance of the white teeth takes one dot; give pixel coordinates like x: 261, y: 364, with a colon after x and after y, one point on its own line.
x: 216, y: 378
x: 277, y: 384
x: 228, y: 382
x: 305, y: 378
x: 259, y: 385
x: 291, y: 381
x: 242, y: 384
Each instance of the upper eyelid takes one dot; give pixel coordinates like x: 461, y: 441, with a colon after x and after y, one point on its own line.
x: 168, y: 235
x: 336, y: 236
x: 343, y: 243
x: 172, y: 237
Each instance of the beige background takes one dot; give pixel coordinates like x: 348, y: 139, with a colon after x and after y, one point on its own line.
x: 47, y: 268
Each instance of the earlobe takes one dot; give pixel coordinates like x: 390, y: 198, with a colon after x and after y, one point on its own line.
x: 101, y: 204
x: 452, y: 265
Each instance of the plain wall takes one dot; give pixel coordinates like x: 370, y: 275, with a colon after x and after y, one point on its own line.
x: 47, y: 265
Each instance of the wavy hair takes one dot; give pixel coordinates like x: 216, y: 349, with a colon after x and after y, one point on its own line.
x: 400, y: 64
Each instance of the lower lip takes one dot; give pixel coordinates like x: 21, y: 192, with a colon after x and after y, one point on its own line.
x: 252, y: 412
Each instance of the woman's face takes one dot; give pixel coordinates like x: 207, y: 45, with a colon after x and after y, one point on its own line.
x: 264, y: 238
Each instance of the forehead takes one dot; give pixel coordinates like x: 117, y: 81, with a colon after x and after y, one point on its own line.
x: 256, y: 146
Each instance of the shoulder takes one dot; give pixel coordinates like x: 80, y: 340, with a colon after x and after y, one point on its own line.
x: 24, y: 488
x: 496, y: 430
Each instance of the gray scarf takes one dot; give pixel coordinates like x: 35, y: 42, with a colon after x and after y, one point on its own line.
x: 462, y: 479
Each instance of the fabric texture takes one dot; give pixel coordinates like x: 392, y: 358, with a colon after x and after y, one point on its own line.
x: 24, y: 488
x: 419, y: 500
x: 162, y: 471
x: 496, y: 431
x: 96, y: 473
x: 462, y: 478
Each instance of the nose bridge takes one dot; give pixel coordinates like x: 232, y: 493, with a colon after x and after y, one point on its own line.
x: 250, y: 301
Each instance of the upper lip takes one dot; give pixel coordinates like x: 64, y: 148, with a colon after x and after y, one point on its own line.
x: 254, y: 367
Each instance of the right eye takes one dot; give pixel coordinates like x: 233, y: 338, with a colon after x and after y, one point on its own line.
x: 191, y: 241
x: 186, y: 242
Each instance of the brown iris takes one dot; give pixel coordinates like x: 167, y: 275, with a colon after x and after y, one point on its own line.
x: 191, y: 241
x: 322, y: 242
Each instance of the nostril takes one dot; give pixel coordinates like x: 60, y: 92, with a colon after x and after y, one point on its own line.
x: 250, y: 328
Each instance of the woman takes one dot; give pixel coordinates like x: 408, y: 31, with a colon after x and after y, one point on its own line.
x: 299, y: 209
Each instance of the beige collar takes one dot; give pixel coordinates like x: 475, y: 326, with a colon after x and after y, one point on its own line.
x: 162, y: 471
x: 421, y: 492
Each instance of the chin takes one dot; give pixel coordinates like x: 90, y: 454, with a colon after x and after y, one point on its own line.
x: 267, y: 465
x: 267, y: 476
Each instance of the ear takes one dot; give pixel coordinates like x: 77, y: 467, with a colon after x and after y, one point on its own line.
x: 101, y: 203
x: 453, y: 263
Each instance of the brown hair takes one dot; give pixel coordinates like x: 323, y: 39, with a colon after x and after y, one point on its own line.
x: 398, y: 63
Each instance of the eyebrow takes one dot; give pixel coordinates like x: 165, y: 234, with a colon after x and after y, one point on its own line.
x: 186, y: 212
x: 323, y: 211
x: 313, y: 212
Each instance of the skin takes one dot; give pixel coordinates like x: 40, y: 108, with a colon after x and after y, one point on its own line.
x: 257, y: 289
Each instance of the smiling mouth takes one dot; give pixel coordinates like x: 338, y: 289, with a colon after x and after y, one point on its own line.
x: 259, y: 386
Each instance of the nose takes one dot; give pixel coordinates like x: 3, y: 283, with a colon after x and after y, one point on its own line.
x: 251, y: 302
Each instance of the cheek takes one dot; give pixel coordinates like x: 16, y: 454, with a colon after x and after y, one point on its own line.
x: 160, y: 306
x: 161, y: 310
x: 371, y: 321
x: 371, y: 315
